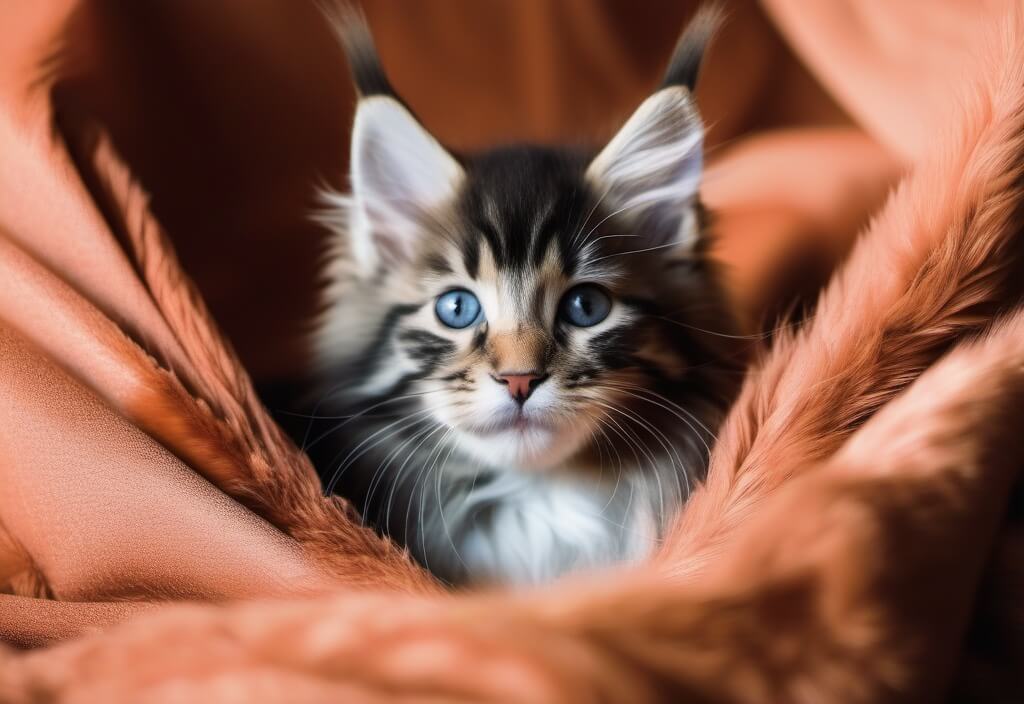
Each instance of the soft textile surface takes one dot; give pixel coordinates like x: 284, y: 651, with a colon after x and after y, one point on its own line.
x: 850, y: 542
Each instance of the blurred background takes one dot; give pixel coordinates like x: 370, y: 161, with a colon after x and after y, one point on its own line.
x: 232, y: 113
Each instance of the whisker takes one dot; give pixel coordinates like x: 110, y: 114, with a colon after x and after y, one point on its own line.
x: 436, y: 470
x: 610, y: 216
x: 439, y: 447
x: 634, y: 444
x: 400, y: 472
x: 620, y: 469
x: 352, y: 456
x: 753, y: 337
x: 361, y: 414
x: 444, y: 522
x: 675, y: 460
x: 604, y: 237
x: 382, y: 468
x: 666, y: 404
x: 575, y: 237
x: 675, y: 243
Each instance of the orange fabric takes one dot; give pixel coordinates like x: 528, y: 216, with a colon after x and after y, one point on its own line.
x: 139, y: 466
x: 870, y: 55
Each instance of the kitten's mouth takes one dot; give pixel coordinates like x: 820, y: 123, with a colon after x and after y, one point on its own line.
x: 518, y: 423
x: 530, y: 439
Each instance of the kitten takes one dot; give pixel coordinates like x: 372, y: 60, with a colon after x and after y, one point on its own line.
x: 525, y: 352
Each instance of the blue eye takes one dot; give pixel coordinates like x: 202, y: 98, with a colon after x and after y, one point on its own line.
x: 585, y: 305
x: 457, y: 309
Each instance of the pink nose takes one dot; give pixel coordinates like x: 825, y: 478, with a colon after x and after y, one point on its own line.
x: 520, y: 385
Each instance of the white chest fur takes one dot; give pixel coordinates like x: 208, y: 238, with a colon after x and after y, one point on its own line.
x: 527, y: 529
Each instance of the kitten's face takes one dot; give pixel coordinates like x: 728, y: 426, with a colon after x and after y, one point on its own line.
x: 529, y: 315
x: 529, y: 299
x: 527, y: 347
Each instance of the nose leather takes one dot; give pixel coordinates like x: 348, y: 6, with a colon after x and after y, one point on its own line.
x: 520, y: 385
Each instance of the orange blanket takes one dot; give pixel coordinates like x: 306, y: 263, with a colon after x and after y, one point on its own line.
x: 837, y: 550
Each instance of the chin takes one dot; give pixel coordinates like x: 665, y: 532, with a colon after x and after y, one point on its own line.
x: 530, y: 448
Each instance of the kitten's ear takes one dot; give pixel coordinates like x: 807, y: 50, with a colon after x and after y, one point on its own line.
x: 650, y: 171
x: 399, y: 172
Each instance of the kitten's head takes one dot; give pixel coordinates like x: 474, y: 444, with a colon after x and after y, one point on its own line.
x: 526, y: 298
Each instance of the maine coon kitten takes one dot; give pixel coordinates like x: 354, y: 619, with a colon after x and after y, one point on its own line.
x: 525, y: 351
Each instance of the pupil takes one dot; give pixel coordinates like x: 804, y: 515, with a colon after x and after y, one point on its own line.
x: 457, y: 305
x: 584, y: 305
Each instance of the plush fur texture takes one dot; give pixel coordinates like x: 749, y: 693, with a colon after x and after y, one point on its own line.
x: 221, y: 428
x: 936, y: 265
x: 521, y: 444
x: 808, y: 604
x: 196, y: 398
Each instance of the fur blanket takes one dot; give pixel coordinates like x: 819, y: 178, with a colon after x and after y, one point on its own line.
x: 852, y: 542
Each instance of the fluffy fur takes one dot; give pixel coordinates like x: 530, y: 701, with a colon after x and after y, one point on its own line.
x: 808, y: 605
x: 199, y: 400
x: 943, y: 257
x: 414, y: 419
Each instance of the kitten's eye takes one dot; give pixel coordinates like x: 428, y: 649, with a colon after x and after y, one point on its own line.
x: 585, y: 305
x: 457, y: 309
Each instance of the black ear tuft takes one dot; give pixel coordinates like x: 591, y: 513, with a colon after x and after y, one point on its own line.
x: 349, y: 23
x: 684, y: 66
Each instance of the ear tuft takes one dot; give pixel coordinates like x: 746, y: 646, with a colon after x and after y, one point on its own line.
x: 350, y: 26
x: 650, y: 171
x: 399, y: 172
x: 684, y: 66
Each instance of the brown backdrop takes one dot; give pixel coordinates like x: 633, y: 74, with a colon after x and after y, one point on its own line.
x: 231, y: 113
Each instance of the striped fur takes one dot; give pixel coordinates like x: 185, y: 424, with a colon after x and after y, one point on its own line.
x: 409, y: 418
